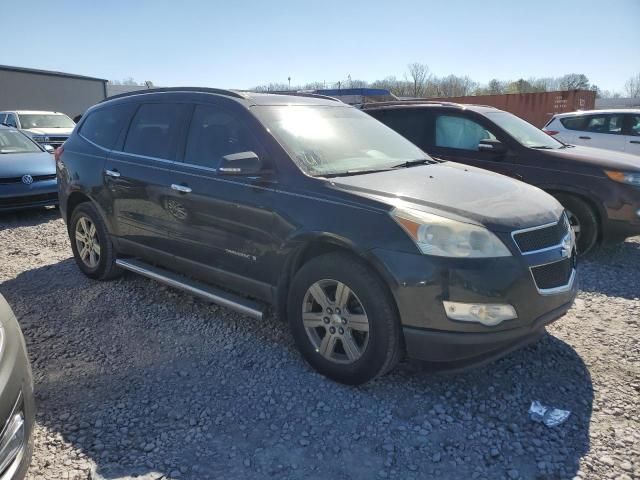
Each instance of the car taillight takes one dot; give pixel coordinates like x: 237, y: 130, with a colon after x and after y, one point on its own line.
x: 550, y: 132
x: 58, y: 152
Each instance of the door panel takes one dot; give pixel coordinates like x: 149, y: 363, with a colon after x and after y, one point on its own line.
x: 139, y: 177
x: 632, y: 137
x: 602, y: 131
x: 227, y: 221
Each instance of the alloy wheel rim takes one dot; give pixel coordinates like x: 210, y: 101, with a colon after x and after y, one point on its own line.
x: 574, y: 222
x: 335, y: 321
x: 87, y: 242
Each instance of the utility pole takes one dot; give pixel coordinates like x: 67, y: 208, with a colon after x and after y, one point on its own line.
x: 289, y: 78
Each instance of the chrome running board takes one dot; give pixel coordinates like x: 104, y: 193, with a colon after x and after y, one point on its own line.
x: 220, y: 297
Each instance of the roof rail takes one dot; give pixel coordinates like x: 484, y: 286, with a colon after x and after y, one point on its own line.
x: 305, y: 94
x: 407, y: 102
x: 219, y: 91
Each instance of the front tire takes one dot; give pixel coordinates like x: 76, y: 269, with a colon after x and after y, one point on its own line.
x: 583, y: 222
x: 343, y: 319
x: 91, y: 244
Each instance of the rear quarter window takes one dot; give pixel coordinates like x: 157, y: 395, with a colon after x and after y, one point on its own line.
x: 103, y: 127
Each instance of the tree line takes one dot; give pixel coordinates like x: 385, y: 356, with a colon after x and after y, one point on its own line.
x: 418, y: 81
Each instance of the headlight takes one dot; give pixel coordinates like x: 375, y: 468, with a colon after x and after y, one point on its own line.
x: 624, y: 177
x: 442, y: 237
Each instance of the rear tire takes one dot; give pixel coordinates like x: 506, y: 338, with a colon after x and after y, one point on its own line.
x: 352, y: 335
x: 583, y: 220
x: 91, y: 244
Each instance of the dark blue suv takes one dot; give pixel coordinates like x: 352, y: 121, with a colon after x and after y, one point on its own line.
x: 370, y: 248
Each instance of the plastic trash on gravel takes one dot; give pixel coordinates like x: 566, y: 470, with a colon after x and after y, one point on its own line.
x: 547, y: 415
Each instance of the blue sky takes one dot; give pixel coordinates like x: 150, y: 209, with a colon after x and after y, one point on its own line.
x: 240, y: 44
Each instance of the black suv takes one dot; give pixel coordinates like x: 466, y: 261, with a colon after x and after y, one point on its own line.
x: 600, y: 189
x: 368, y: 246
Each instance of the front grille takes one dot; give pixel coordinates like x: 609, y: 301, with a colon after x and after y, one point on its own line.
x: 540, y: 238
x: 36, y: 178
x: 553, y: 275
x: 55, y: 142
x: 15, y: 202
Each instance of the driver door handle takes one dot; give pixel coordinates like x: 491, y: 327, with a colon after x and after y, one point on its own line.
x: 112, y: 173
x: 584, y: 138
x: 180, y: 188
x: 634, y: 141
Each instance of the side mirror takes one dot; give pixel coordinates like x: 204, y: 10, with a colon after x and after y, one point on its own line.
x: 494, y: 146
x: 48, y: 148
x: 243, y: 163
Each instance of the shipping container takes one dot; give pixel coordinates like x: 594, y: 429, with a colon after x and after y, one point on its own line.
x: 536, y: 108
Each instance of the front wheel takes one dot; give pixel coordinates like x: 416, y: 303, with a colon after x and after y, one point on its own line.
x: 583, y: 222
x: 343, y: 319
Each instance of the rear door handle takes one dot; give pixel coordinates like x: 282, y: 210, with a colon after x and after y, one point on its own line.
x: 180, y: 188
x: 634, y: 141
x: 584, y: 138
x: 112, y: 173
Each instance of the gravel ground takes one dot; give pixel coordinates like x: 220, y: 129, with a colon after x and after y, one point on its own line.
x: 137, y: 380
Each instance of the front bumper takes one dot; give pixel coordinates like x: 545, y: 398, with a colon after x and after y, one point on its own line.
x: 16, y: 399
x: 20, y: 196
x: 421, y: 283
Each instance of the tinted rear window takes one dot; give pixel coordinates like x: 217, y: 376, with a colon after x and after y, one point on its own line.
x: 103, y: 127
x: 573, y: 123
x: 156, y: 130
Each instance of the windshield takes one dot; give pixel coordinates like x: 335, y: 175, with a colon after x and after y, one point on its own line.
x: 12, y: 141
x: 44, y: 120
x: 336, y: 140
x: 524, y: 132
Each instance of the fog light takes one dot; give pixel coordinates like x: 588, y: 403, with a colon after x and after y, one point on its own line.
x: 638, y: 212
x: 489, y: 314
x: 12, y: 441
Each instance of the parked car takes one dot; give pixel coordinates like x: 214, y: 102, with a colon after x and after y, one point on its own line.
x: 599, y: 188
x: 366, y: 244
x: 17, y: 408
x: 617, y: 129
x: 46, y: 128
x: 27, y: 173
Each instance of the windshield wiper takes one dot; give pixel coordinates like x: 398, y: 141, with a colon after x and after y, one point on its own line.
x: 348, y: 173
x: 542, y: 147
x: 413, y: 163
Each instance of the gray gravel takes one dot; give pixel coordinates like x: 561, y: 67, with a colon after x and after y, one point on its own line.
x: 137, y: 380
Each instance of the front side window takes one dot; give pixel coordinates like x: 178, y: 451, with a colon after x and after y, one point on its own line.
x: 523, y: 132
x: 103, y: 126
x: 634, y: 128
x: 215, y: 133
x: 155, y: 130
x: 12, y: 141
x: 459, y: 132
x: 604, y: 124
x: 45, y: 120
x: 335, y: 140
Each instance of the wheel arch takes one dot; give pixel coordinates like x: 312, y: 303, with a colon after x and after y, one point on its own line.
x: 312, y: 245
x: 586, y: 197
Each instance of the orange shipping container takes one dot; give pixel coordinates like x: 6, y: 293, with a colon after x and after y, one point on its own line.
x: 536, y: 108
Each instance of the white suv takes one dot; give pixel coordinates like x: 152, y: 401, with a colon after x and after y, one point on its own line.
x: 45, y: 128
x: 617, y: 129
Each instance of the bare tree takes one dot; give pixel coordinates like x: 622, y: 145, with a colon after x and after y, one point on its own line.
x: 418, y: 73
x: 574, y: 81
x: 632, y: 86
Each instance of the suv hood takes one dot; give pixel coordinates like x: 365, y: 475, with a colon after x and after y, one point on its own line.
x: 459, y: 192
x: 597, y: 157
x: 13, y: 165
x: 48, y: 131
